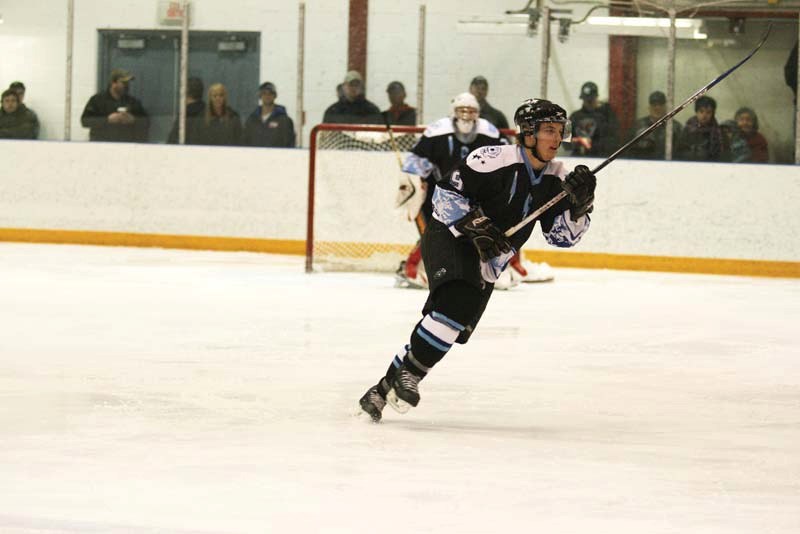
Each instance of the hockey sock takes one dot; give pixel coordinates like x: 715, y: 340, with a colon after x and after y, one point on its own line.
x: 430, y: 341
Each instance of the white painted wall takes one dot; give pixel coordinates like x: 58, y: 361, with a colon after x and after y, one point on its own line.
x: 35, y: 31
x: 661, y: 209
x: 33, y: 41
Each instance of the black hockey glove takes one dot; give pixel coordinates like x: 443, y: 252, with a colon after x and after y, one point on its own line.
x: 488, y: 239
x: 579, y: 185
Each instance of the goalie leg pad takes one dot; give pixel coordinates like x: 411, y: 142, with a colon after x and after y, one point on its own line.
x: 411, y: 194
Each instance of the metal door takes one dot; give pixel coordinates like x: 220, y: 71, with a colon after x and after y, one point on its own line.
x: 152, y: 57
x: 230, y: 58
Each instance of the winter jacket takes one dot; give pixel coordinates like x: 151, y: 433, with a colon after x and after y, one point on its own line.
x: 22, y: 124
x: 224, y: 131
x: 100, y: 106
x: 195, y: 113
x: 653, y: 146
x: 359, y: 111
x: 276, y: 130
x: 701, y: 142
x: 493, y: 115
x: 790, y: 71
x: 401, y: 115
x: 758, y: 148
x: 600, y: 125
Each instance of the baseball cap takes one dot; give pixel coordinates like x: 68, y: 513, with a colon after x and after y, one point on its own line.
x: 395, y: 86
x: 121, y: 75
x: 588, y: 90
x: 479, y: 80
x: 353, y: 76
x: 268, y: 86
x: 657, y: 98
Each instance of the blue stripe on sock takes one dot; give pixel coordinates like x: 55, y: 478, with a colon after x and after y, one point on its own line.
x: 447, y: 321
x: 397, y: 361
x: 433, y: 340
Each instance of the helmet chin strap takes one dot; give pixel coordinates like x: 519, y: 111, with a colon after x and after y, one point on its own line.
x: 533, y: 148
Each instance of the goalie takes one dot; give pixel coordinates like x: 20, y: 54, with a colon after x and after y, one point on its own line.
x: 443, y: 145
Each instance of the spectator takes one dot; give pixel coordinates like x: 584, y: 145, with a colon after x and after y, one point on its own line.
x: 734, y: 145
x: 15, y: 120
x: 269, y: 125
x: 653, y: 146
x: 479, y: 87
x: 399, y: 112
x: 790, y: 74
x: 221, y: 124
x: 747, y: 144
x: 19, y: 88
x: 702, y: 136
x: 594, y: 127
x: 354, y: 108
x: 195, y: 110
x: 114, y: 115
x: 790, y: 71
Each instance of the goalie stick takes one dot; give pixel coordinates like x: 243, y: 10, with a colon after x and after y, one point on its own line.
x: 700, y: 92
x: 419, y: 220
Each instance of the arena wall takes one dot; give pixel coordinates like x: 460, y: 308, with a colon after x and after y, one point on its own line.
x: 689, y: 217
x: 33, y: 38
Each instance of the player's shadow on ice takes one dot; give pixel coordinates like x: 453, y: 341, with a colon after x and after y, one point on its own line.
x: 466, y: 428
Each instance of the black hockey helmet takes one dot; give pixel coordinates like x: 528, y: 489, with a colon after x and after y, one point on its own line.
x: 534, y: 111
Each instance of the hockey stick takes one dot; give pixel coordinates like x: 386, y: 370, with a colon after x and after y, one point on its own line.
x: 419, y: 220
x: 700, y: 92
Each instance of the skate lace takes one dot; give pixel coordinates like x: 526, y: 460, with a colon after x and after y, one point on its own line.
x: 376, y: 399
x: 408, y: 380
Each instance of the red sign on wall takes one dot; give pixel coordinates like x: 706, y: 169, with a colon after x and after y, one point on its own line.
x: 170, y: 12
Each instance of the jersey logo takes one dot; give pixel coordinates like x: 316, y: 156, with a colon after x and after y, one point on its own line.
x: 490, y: 151
x: 464, y: 151
x: 455, y: 181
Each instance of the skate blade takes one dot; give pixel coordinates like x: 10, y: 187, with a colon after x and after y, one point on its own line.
x: 405, y: 283
x: 538, y: 280
x: 398, y: 404
x: 362, y: 415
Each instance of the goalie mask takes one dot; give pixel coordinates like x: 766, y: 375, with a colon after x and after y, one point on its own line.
x: 533, y: 113
x: 464, y: 110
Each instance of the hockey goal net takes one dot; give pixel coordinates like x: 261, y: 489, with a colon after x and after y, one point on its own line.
x: 353, y: 176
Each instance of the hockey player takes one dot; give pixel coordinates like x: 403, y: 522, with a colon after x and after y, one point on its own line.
x: 465, y: 248
x: 443, y: 145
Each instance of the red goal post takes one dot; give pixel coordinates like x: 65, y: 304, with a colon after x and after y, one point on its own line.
x: 353, y: 178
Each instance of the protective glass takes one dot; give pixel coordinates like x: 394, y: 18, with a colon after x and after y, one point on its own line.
x: 551, y: 130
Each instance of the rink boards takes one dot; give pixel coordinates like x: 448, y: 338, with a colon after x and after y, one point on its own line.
x: 684, y: 217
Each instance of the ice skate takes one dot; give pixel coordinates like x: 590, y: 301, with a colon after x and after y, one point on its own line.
x: 405, y: 390
x: 528, y: 272
x: 506, y: 281
x: 410, y: 276
x: 372, y: 404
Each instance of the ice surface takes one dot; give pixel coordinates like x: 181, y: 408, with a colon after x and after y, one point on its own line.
x: 160, y: 391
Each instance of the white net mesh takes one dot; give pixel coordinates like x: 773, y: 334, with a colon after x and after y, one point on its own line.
x: 356, y: 227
